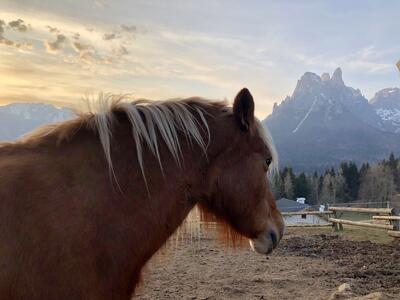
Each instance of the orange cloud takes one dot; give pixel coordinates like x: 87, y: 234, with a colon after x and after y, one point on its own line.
x: 57, y: 44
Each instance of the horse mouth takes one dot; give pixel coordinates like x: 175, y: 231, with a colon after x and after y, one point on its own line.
x: 265, y: 243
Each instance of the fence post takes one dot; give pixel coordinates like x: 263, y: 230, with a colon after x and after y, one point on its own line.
x: 335, y: 225
x: 396, y: 223
x: 329, y: 216
x: 340, y: 224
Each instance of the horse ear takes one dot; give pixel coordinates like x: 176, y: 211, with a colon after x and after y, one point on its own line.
x: 243, y: 109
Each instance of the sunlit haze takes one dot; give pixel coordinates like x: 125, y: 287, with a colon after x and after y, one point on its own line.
x: 60, y: 51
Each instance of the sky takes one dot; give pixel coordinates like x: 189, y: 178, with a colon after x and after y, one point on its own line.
x: 63, y: 51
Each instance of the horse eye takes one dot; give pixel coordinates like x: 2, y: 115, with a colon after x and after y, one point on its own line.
x: 268, y: 161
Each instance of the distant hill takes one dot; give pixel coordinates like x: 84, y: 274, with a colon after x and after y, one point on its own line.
x: 324, y: 122
x: 19, y: 118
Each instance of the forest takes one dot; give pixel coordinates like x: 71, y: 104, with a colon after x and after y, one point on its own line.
x: 374, y: 184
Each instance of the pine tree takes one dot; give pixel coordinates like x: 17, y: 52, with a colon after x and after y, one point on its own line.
x: 363, y: 170
x: 277, y: 188
x: 340, y: 194
x: 393, y: 165
x: 327, y: 192
x: 351, y: 178
x: 288, y: 186
x: 301, y: 187
x: 314, y: 189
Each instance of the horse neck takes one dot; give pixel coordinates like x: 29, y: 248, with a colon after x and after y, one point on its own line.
x: 149, y: 214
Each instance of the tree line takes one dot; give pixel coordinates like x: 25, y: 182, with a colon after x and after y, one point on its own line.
x: 376, y: 183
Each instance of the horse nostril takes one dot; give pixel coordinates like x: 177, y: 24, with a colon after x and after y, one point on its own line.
x: 274, y: 238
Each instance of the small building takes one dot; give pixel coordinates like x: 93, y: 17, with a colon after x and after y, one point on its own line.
x: 287, y: 205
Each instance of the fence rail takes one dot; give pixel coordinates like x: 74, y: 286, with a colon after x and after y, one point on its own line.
x: 394, y: 233
x: 390, y: 215
x: 362, y: 210
x: 334, y: 214
x: 364, y: 224
x: 386, y: 218
x: 310, y: 225
x: 300, y: 213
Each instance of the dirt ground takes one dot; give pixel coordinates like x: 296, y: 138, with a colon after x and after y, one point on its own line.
x: 308, y: 264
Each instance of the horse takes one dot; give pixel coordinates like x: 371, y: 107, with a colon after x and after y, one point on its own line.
x: 85, y: 203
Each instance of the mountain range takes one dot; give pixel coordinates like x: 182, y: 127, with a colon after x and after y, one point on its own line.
x: 19, y: 118
x: 325, y: 122
x: 321, y: 124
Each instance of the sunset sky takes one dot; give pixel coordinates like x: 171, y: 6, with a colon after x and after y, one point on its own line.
x: 60, y: 51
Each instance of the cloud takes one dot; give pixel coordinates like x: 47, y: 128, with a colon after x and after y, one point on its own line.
x: 87, y: 57
x: 86, y: 52
x: 120, y: 51
x: 100, y: 3
x: 2, y: 24
x: 19, y: 45
x: 120, y: 32
x: 7, y: 42
x: 57, y: 44
x: 369, y: 67
x: 53, y: 29
x: 89, y: 54
x: 18, y: 25
x: 109, y: 36
x: 128, y: 28
x: 80, y: 47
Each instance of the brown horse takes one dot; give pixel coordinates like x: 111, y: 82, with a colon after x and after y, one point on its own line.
x: 84, y: 204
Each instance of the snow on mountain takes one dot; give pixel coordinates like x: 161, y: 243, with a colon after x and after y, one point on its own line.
x: 307, y: 114
x: 19, y: 118
x: 386, y: 103
x: 389, y: 115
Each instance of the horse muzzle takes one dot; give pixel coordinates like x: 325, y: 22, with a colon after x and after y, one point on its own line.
x: 266, y: 242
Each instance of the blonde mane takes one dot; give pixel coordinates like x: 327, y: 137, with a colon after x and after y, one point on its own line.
x: 151, y: 120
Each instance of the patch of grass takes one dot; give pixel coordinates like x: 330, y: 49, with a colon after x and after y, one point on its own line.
x: 357, y: 233
x: 355, y: 216
x: 352, y: 233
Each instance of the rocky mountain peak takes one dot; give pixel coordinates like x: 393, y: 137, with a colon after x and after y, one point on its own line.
x: 307, y: 83
x: 337, y: 77
x: 330, y: 95
x: 275, y: 106
x: 324, y: 122
x: 387, y: 98
x: 325, y: 77
x: 311, y: 83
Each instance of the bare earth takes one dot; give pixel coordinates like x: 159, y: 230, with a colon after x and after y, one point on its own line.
x: 307, y: 265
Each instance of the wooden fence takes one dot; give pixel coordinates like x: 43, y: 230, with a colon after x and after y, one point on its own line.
x: 334, y: 214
